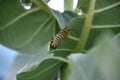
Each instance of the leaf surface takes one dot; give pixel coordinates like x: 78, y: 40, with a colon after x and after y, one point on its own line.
x: 27, y: 31
x: 100, y: 63
x: 105, y: 17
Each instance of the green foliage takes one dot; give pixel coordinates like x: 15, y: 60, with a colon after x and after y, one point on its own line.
x: 100, y: 63
x: 30, y: 31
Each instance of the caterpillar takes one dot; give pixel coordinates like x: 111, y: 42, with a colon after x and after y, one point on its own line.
x: 58, y: 37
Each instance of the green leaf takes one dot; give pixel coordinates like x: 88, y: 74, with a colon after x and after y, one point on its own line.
x: 107, y: 13
x: 39, y: 67
x: 27, y: 31
x: 94, y: 35
x: 42, y: 66
x: 64, y: 18
x: 47, y: 70
x: 68, y: 44
x: 100, y: 63
x: 24, y: 30
x: 68, y: 16
x: 106, y: 17
x: 84, y: 5
x: 101, y: 8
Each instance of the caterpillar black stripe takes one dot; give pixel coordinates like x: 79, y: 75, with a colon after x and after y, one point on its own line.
x: 57, y: 38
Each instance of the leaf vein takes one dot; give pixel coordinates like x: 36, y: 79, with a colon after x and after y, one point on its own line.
x: 104, y: 26
x: 107, y: 8
x: 35, y: 34
x: 19, y: 17
x: 39, y: 73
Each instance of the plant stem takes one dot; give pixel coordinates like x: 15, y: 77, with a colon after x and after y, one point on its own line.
x: 42, y: 5
x: 68, y: 5
x: 86, y: 27
x: 65, y: 72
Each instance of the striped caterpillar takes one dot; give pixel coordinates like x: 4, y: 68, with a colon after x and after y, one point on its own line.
x: 58, y: 37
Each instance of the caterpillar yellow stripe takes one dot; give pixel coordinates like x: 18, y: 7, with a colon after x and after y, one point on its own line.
x: 58, y: 37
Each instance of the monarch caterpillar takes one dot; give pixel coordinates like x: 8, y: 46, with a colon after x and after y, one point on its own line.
x: 58, y: 37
